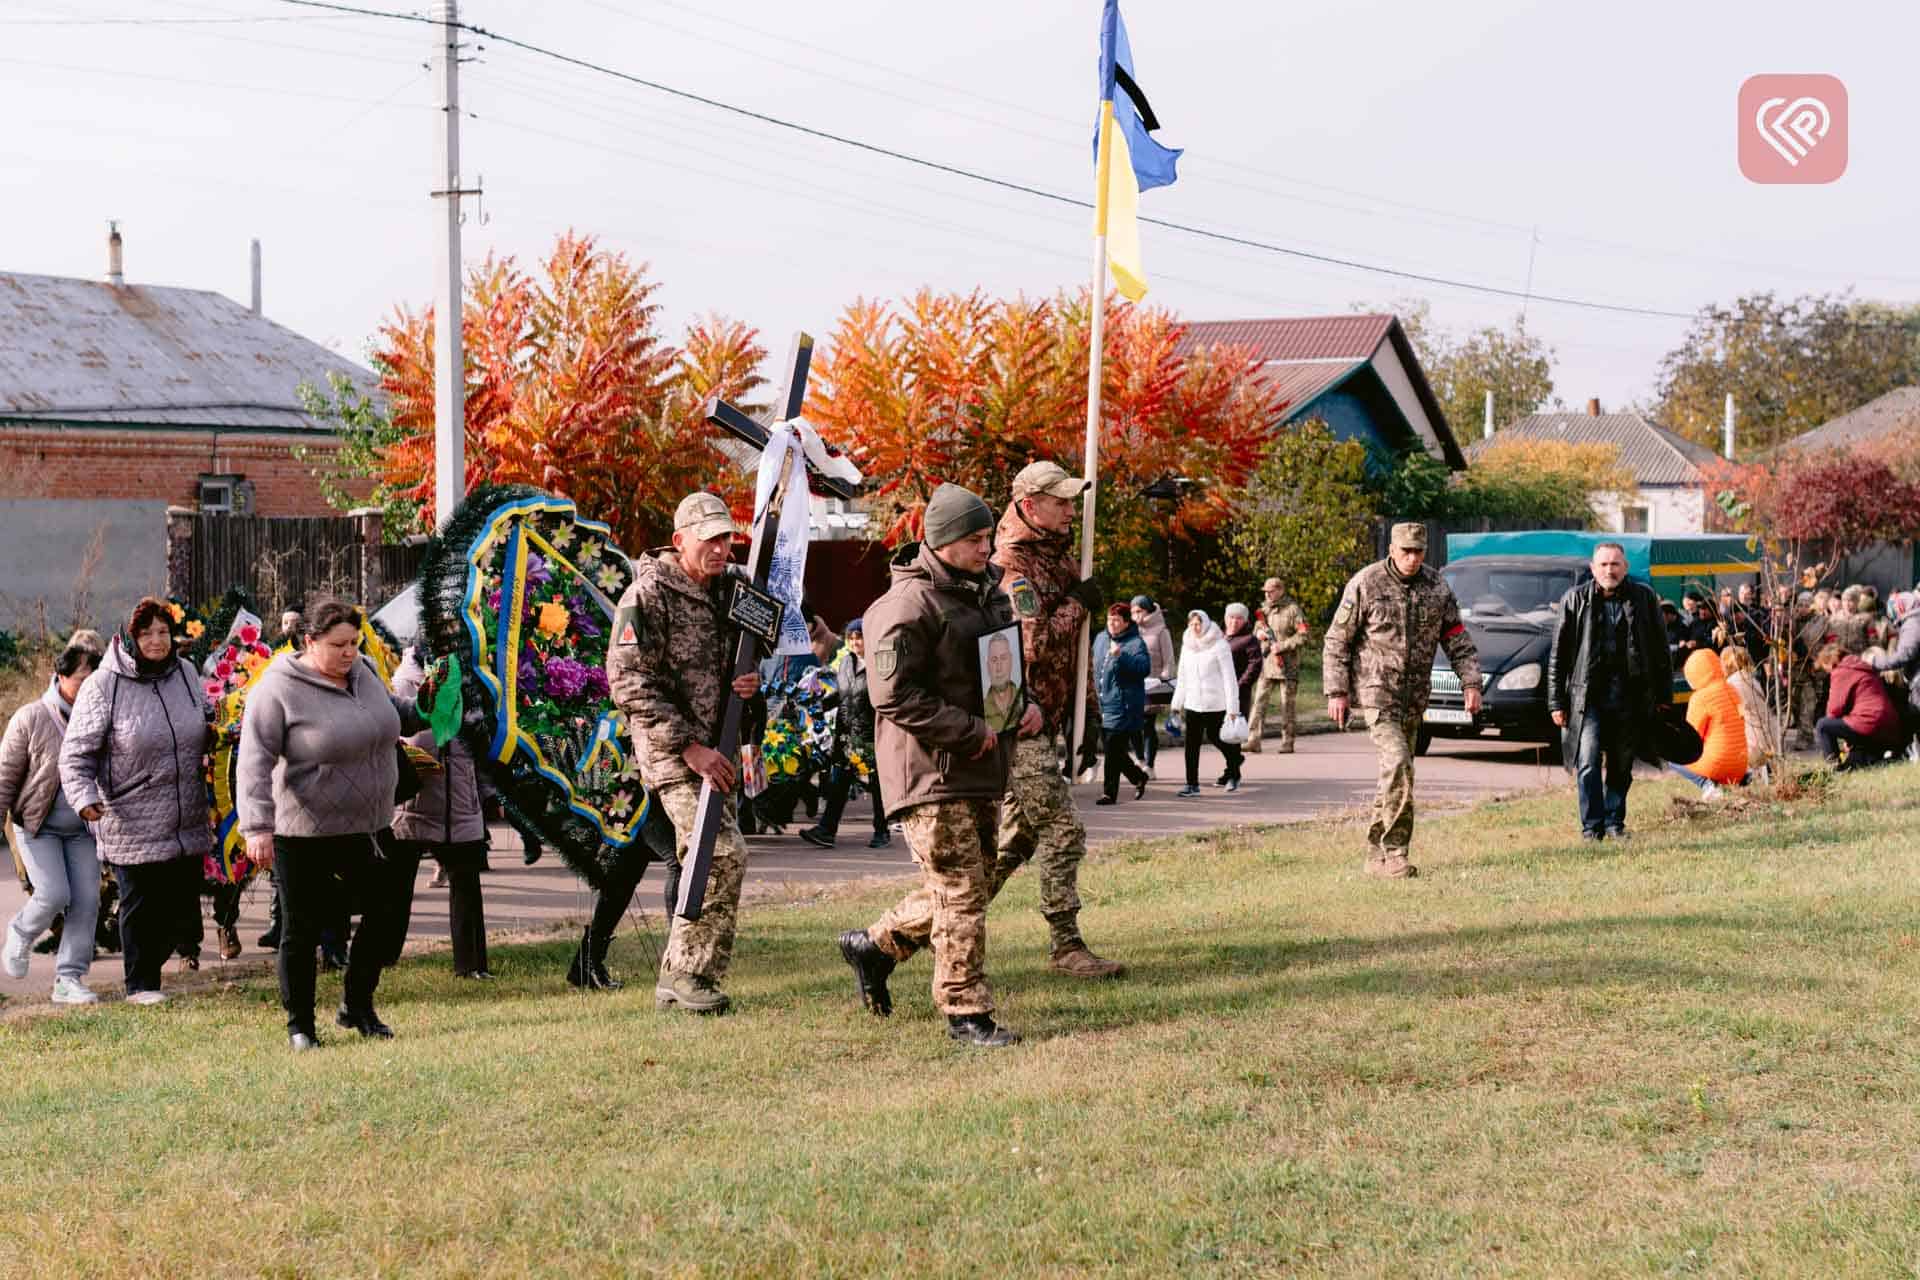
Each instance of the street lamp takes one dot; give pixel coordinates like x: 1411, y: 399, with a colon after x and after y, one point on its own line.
x: 1172, y: 490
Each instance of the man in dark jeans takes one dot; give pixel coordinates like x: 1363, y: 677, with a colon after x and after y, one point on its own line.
x: 1606, y: 673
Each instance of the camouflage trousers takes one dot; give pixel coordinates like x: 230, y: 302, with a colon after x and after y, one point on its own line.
x: 950, y: 839
x: 1289, y: 687
x: 1393, y: 738
x: 704, y: 947
x: 1037, y: 822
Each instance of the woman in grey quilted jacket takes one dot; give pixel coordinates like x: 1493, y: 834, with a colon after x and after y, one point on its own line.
x: 316, y: 775
x: 132, y: 764
x: 56, y: 845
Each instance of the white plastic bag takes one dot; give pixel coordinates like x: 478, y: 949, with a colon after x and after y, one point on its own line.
x: 1233, y: 731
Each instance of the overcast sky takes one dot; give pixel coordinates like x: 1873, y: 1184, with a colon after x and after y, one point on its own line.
x: 1428, y: 138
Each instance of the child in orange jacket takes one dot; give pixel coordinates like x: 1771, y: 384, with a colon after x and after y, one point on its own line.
x: 1714, y: 713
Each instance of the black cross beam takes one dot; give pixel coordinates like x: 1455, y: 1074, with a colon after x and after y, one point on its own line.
x: 746, y: 653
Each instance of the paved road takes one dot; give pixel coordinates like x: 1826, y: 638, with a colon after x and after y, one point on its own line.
x: 1330, y: 772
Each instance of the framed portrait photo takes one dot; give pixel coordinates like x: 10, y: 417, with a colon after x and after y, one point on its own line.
x: 1003, y: 684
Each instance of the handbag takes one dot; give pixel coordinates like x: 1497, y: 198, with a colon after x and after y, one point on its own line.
x: 1233, y: 731
x: 406, y: 783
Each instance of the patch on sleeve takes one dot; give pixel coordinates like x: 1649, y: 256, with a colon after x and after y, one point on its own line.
x: 626, y: 626
x: 1456, y: 629
x: 886, y: 659
x: 1026, y: 600
x: 1344, y: 613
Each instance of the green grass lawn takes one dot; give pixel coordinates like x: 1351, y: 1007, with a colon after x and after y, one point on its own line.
x: 1688, y: 1054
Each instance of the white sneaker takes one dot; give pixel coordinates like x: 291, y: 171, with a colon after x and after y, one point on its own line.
x: 18, y: 951
x: 146, y: 997
x: 73, y: 991
x: 1710, y: 791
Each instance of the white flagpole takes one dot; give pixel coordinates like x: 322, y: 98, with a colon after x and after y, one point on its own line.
x: 1096, y: 352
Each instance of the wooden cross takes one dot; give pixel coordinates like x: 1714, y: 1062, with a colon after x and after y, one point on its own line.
x: 746, y: 653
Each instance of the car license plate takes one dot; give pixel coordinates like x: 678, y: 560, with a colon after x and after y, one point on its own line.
x: 1447, y: 715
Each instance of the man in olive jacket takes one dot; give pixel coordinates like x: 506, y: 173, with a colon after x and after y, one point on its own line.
x: 1608, y: 669
x: 942, y: 768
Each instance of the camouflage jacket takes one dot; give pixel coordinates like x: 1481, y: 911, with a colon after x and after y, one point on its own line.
x: 1038, y: 569
x: 1379, y: 650
x: 1282, y: 632
x: 669, y: 665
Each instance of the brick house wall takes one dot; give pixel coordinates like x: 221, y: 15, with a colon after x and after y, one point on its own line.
x: 118, y: 463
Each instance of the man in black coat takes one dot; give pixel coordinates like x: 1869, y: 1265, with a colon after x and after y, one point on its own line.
x: 1608, y: 670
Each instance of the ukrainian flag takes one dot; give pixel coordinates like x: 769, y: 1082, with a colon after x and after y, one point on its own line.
x: 1126, y: 160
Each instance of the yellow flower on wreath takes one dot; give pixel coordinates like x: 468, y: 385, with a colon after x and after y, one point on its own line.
x: 177, y: 612
x: 195, y: 628
x: 553, y: 619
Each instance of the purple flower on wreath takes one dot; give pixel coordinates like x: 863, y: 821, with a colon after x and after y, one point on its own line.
x: 597, y: 688
x: 538, y: 574
x: 566, y: 678
x: 493, y: 600
x: 529, y: 676
x: 582, y: 617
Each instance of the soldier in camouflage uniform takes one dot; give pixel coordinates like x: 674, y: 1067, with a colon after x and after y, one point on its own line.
x: 669, y: 668
x: 1282, y: 632
x: 1038, y: 821
x: 1392, y: 617
x: 943, y: 768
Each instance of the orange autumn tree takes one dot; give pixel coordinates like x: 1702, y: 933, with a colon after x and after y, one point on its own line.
x: 969, y: 389
x: 571, y: 387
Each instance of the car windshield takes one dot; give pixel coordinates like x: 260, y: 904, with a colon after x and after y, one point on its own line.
x: 1485, y: 590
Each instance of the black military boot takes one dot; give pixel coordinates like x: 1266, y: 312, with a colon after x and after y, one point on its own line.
x: 980, y: 1031
x: 365, y: 1021
x: 871, y: 966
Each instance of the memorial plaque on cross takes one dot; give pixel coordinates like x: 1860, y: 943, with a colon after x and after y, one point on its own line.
x: 766, y: 526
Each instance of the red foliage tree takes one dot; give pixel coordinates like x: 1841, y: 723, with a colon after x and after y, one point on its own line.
x: 570, y: 386
x: 963, y: 388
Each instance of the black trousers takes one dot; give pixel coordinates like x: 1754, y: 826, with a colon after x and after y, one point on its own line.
x: 466, y: 910
x: 319, y: 879
x: 1118, y: 750
x: 839, y: 783
x: 1201, y: 727
x: 1831, y: 731
x: 156, y: 900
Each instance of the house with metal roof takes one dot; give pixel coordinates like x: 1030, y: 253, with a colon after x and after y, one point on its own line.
x: 1358, y: 373
x: 1665, y: 467
x: 1884, y: 418
x: 118, y: 401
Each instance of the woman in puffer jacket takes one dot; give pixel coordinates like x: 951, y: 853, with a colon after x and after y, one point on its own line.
x: 59, y: 850
x: 1207, y: 691
x: 1714, y: 713
x: 444, y: 821
x: 133, y: 765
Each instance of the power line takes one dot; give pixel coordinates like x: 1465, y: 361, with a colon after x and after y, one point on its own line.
x: 157, y: 22
x: 1247, y: 242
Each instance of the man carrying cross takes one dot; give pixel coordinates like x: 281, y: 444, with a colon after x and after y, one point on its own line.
x: 669, y: 671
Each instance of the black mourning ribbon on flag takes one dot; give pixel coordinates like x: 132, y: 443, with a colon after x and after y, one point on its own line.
x: 1133, y: 91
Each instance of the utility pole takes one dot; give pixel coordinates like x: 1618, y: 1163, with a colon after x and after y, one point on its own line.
x: 449, y: 352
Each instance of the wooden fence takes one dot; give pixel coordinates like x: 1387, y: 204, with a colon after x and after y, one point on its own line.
x: 280, y: 561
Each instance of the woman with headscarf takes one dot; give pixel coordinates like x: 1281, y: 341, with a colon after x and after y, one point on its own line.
x: 58, y: 850
x: 132, y: 764
x: 1207, y: 690
x: 319, y: 763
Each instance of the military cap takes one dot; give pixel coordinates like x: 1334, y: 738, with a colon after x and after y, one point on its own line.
x: 1411, y: 534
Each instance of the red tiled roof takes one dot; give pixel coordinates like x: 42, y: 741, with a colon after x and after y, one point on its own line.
x: 1296, y: 384
x: 1300, y: 338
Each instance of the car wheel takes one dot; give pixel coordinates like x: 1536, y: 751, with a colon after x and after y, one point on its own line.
x: 1422, y: 739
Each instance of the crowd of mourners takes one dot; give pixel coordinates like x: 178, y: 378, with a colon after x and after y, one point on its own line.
x: 1841, y: 670
x: 104, y: 775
